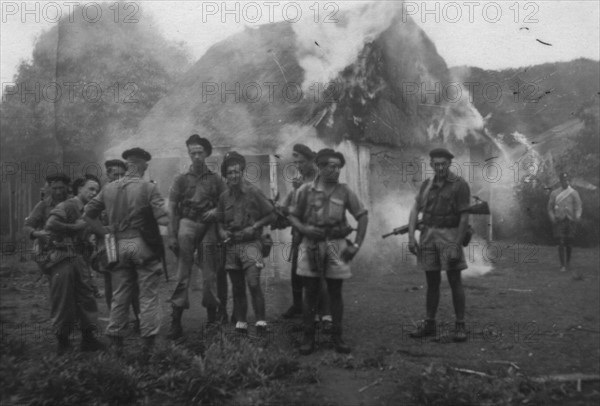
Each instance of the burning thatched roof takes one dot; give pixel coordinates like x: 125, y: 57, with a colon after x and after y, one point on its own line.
x: 251, y: 91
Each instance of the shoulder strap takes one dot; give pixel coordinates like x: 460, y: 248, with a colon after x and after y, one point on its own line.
x: 425, y: 193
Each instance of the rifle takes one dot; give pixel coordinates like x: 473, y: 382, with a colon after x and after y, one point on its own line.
x: 480, y: 207
x: 281, y: 222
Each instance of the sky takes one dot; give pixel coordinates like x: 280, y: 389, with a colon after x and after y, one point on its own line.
x: 485, y: 34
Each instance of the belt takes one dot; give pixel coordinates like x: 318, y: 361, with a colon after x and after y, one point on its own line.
x: 131, y: 233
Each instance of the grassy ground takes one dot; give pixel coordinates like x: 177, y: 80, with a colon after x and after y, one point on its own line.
x: 525, y: 319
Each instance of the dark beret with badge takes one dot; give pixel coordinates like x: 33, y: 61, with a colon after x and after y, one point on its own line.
x: 58, y: 177
x: 230, y: 159
x: 195, y: 139
x: 115, y: 162
x: 440, y: 153
x: 305, y: 151
x: 138, y: 153
x: 326, y: 153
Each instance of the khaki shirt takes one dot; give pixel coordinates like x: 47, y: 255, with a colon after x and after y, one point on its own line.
x: 201, y: 188
x: 315, y: 207
x: 39, y: 215
x: 243, y: 208
x: 136, y: 195
x: 444, y: 204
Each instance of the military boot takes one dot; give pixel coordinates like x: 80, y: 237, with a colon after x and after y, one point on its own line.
x: 116, y: 345
x: 336, y: 336
x: 89, y: 342
x: 211, y: 316
x: 175, y: 331
x: 63, y: 344
x: 308, y: 342
x: 148, y: 343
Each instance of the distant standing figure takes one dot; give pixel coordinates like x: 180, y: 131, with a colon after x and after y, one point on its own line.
x: 564, y: 209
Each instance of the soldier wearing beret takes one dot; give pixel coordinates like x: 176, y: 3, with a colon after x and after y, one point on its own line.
x: 58, y: 184
x: 132, y: 205
x: 564, y: 210
x: 304, y: 159
x: 192, y: 208
x: 319, y: 213
x: 71, y: 292
x: 115, y: 169
x: 243, y: 211
x: 444, y: 201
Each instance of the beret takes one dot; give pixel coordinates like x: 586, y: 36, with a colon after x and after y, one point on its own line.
x: 304, y: 151
x: 137, y: 153
x: 326, y: 153
x: 115, y: 162
x: 564, y: 175
x: 232, y: 158
x: 440, y: 153
x: 58, y: 177
x: 195, y: 139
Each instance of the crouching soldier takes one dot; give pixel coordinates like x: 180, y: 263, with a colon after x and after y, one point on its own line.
x: 320, y: 216
x: 243, y: 211
x: 71, y: 295
x: 133, y: 206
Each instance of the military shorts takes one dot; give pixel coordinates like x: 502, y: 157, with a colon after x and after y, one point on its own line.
x: 436, y: 245
x: 317, y: 259
x: 241, y: 256
x: 564, y: 229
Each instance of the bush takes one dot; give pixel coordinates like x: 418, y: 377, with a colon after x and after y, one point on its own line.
x: 171, y: 374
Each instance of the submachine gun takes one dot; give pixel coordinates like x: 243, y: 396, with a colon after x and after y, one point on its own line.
x: 480, y: 207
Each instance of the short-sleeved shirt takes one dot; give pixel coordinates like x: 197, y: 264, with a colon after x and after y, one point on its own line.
x: 69, y: 212
x: 242, y: 208
x: 565, y: 203
x: 444, y: 203
x: 202, y: 188
x: 317, y: 208
x: 124, y: 200
x: 39, y: 215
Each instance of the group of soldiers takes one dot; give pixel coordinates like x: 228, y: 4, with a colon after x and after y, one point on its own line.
x: 218, y: 220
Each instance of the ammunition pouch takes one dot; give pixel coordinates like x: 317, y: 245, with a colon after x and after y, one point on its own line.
x: 335, y: 232
x: 267, y: 245
x: 450, y: 221
x: 193, y: 210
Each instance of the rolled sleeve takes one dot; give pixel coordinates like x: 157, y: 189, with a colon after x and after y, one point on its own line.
x: 354, y: 205
x: 262, y: 203
x: 177, y: 190
x: 157, y: 203
x: 463, y: 196
x: 298, y: 206
x: 35, y: 220
x: 94, y: 207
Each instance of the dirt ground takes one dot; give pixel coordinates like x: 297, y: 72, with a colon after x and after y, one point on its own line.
x: 524, y: 312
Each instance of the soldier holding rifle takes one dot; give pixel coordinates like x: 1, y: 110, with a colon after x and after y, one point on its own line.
x: 71, y: 293
x: 320, y: 216
x: 444, y: 202
x: 58, y: 184
x: 304, y: 161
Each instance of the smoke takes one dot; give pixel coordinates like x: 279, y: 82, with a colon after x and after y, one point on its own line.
x: 326, y: 49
